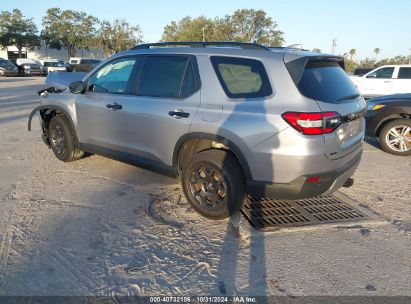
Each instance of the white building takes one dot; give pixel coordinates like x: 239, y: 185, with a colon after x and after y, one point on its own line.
x: 45, y: 52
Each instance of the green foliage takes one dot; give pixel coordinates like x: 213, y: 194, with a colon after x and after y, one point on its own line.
x: 245, y: 25
x: 70, y: 29
x: 118, y: 36
x: 17, y: 30
x: 189, y: 29
x: 316, y: 50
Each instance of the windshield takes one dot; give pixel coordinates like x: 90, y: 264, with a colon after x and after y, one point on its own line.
x: 6, y: 64
x: 53, y: 64
x: 328, y: 82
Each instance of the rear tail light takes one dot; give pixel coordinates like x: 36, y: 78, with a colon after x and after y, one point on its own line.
x: 313, y: 123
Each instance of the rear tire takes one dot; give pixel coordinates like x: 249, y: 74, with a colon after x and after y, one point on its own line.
x: 395, y: 137
x: 213, y: 184
x: 63, y: 140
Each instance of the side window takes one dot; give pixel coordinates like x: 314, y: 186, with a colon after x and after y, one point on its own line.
x: 112, y: 77
x: 384, y: 73
x: 167, y: 76
x: 404, y: 73
x: 189, y: 84
x: 242, y: 78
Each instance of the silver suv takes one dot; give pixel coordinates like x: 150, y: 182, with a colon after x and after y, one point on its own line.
x: 229, y: 119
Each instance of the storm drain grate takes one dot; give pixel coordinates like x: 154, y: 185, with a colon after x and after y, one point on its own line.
x: 264, y: 213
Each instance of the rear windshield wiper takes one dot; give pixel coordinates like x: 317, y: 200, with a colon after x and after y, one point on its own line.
x: 354, y: 96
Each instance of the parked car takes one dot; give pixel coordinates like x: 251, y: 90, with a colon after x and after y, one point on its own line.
x: 385, y: 80
x: 361, y: 71
x: 7, y: 68
x: 28, y: 67
x: 52, y: 65
x: 389, y: 120
x: 230, y: 120
x: 82, y: 64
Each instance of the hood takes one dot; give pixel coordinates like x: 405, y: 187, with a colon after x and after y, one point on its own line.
x: 63, y: 80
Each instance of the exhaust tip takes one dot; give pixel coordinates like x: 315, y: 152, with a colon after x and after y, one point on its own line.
x: 349, y: 182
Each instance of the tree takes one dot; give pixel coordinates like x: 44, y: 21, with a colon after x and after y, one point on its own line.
x: 316, y: 50
x: 17, y: 30
x: 118, y: 36
x: 352, y: 53
x: 376, y: 51
x: 249, y: 25
x: 189, y: 29
x: 69, y: 29
x: 245, y: 25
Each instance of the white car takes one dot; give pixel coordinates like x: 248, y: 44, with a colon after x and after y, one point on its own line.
x: 385, y: 80
x: 52, y: 65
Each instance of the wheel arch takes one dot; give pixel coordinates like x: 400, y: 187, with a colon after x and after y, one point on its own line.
x: 388, y: 119
x: 47, y: 111
x: 202, y: 144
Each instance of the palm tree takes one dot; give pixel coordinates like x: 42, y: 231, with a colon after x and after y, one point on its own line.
x: 376, y: 51
x: 353, y: 52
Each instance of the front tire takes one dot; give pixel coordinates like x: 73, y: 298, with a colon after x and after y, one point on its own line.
x: 62, y: 139
x: 213, y: 184
x: 395, y: 137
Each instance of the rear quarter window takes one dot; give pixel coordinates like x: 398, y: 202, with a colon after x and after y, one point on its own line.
x: 241, y: 77
x: 326, y: 81
x: 404, y: 73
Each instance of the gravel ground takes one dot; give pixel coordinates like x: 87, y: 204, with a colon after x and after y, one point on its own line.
x: 101, y: 227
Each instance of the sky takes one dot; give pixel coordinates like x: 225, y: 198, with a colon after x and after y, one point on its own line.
x: 360, y: 24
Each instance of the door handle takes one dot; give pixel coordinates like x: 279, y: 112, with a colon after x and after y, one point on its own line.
x: 114, y: 106
x: 178, y: 114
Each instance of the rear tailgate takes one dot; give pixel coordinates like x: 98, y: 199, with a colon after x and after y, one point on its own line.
x: 323, y: 79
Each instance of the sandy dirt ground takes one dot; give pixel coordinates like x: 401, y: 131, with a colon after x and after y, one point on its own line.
x: 101, y: 227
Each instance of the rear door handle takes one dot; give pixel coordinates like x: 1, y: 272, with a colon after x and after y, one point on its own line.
x: 179, y: 114
x: 114, y: 106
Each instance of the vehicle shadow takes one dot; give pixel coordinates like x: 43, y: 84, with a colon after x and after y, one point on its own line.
x: 372, y: 141
x: 236, y: 239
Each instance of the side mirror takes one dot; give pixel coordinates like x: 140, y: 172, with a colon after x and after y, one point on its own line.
x: 372, y: 75
x: 77, y: 87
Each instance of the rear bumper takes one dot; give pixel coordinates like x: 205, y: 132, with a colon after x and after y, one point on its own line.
x: 298, y: 189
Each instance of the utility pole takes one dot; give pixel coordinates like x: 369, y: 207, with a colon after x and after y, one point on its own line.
x: 203, y: 33
x: 334, y: 46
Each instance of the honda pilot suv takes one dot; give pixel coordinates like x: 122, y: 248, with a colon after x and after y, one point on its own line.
x: 229, y: 119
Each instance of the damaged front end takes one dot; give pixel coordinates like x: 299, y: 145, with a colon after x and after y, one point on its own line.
x: 44, y: 92
x: 46, y: 112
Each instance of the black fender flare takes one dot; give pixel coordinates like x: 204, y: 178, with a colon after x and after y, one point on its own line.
x: 199, y: 135
x: 391, y: 113
x: 50, y: 107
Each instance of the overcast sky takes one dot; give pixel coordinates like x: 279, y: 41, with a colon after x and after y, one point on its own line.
x: 360, y: 24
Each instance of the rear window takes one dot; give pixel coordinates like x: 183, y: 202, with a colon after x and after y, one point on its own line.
x: 404, y: 73
x: 242, y: 78
x: 326, y: 81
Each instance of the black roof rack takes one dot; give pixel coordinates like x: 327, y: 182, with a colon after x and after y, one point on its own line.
x: 199, y: 44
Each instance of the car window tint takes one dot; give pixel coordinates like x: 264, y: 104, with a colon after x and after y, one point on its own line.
x: 162, y: 76
x: 384, y: 72
x: 189, y: 84
x: 242, y: 78
x: 112, y: 77
x: 404, y: 73
x: 326, y: 81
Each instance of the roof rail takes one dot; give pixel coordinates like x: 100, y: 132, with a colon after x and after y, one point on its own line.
x: 200, y: 44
